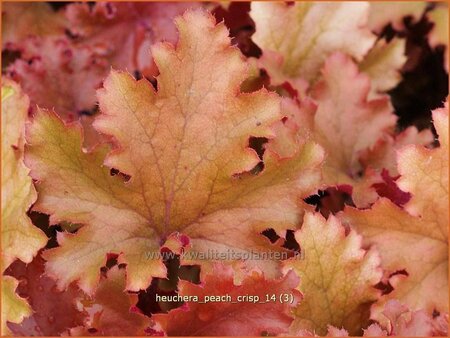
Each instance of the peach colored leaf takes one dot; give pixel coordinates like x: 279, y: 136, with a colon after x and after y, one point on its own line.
x: 424, y: 174
x: 297, y: 38
x: 383, y: 155
x: 335, y: 332
x: 233, y: 315
x: 383, y: 64
x: 185, y: 151
x: 113, y: 311
x: 337, y: 276
x: 402, y: 240
x: 417, y: 240
x: 394, y: 12
x: 296, y: 128
x: 439, y: 32
x: 58, y: 75
x: 14, y: 308
x: 23, y: 19
x: 53, y: 311
x: 419, y: 323
x: 20, y: 238
x: 398, y: 320
x: 344, y: 122
x: 125, y: 31
x: 374, y: 330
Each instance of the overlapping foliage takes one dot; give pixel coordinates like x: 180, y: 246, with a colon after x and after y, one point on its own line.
x: 138, y: 138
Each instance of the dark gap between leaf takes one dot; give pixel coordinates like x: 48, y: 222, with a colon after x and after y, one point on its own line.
x: 115, y: 172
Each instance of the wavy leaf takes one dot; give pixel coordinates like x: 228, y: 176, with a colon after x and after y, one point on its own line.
x: 337, y: 277
x: 417, y: 240
x: 21, y: 20
x: 14, y: 308
x: 112, y: 310
x: 316, y: 30
x: 394, y: 13
x: 439, y: 32
x: 53, y: 311
x: 186, y: 143
x: 345, y: 122
x: 20, y: 238
x: 383, y: 64
x: 124, y: 32
x: 58, y: 75
x: 237, y: 315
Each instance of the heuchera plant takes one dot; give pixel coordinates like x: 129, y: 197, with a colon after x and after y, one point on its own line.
x: 193, y: 169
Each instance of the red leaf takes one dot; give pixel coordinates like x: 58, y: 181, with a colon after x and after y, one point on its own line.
x: 231, y: 317
x: 54, y: 311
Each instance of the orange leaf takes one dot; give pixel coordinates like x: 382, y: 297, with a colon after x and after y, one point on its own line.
x: 112, y: 310
x: 185, y: 151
